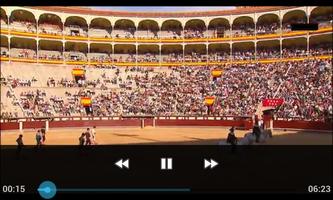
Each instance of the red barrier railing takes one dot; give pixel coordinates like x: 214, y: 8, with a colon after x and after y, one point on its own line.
x: 243, y: 122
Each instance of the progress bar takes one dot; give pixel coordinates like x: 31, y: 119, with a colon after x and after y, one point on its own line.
x: 124, y: 190
x: 48, y: 190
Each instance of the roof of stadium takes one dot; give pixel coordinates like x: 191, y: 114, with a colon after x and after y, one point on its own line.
x: 94, y: 11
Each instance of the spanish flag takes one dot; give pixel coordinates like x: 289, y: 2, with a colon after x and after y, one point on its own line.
x: 86, y: 101
x: 217, y: 73
x: 78, y: 72
x: 209, y: 100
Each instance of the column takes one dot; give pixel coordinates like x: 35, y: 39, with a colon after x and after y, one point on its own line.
x: 255, y: 49
x: 37, y: 50
x: 63, y: 51
x: 21, y: 126
x: 112, y: 53
x: 207, y: 61
x: 9, y: 56
x: 47, y: 125
x: 136, y: 54
x: 281, y: 48
x: 160, y: 52
x: 88, y: 53
x: 183, y: 53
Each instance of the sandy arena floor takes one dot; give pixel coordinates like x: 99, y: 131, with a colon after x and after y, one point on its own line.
x: 164, y: 135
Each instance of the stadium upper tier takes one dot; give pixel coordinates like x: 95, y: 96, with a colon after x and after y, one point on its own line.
x: 84, y: 36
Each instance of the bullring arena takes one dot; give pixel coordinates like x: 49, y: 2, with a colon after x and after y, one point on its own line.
x: 166, y: 78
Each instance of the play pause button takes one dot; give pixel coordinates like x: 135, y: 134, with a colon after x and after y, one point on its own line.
x: 166, y: 163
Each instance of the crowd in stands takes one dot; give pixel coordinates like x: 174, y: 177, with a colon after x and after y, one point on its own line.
x: 75, y: 30
x: 100, y: 33
x: 193, y: 33
x: 23, y: 53
x: 4, y: 52
x: 267, y: 28
x: 286, y: 27
x: 129, y: 33
x: 243, y: 30
x: 49, y: 55
x: 14, y: 82
x: 173, y: 57
x: 268, y: 53
x: 23, y: 26
x: 9, y: 115
x: 35, y: 103
x: 323, y: 20
x: 99, y: 57
x: 320, y: 50
x: 171, y: 34
x: 305, y: 85
x: 148, y: 57
x: 293, y: 53
x: 75, y: 56
x: 288, y: 52
x: 219, y: 57
x: 124, y: 58
x: 308, y: 90
x: 243, y: 55
x: 51, y: 29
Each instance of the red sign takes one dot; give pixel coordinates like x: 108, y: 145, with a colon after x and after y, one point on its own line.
x: 272, y: 102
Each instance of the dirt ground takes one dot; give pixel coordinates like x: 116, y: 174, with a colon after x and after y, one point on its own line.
x: 164, y: 135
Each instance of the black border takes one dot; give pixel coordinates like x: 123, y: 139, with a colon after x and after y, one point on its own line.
x: 165, y: 3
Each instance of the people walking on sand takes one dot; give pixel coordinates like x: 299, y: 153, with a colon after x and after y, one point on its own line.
x: 43, y: 131
x: 93, y: 135
x: 88, y: 137
x: 82, y: 139
x: 38, y: 138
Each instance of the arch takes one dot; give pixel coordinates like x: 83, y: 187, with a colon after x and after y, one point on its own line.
x: 22, y: 15
x: 321, y: 13
x: 268, y: 49
x: 241, y: 21
x: 48, y: 18
x: 294, y: 16
x: 148, y: 25
x: 100, y: 23
x: 76, y: 21
x: 195, y: 24
x: 268, y: 19
x: 195, y: 48
x: 219, y: 23
x: 124, y: 24
x: 100, y: 48
x: 172, y: 25
x: 3, y: 15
